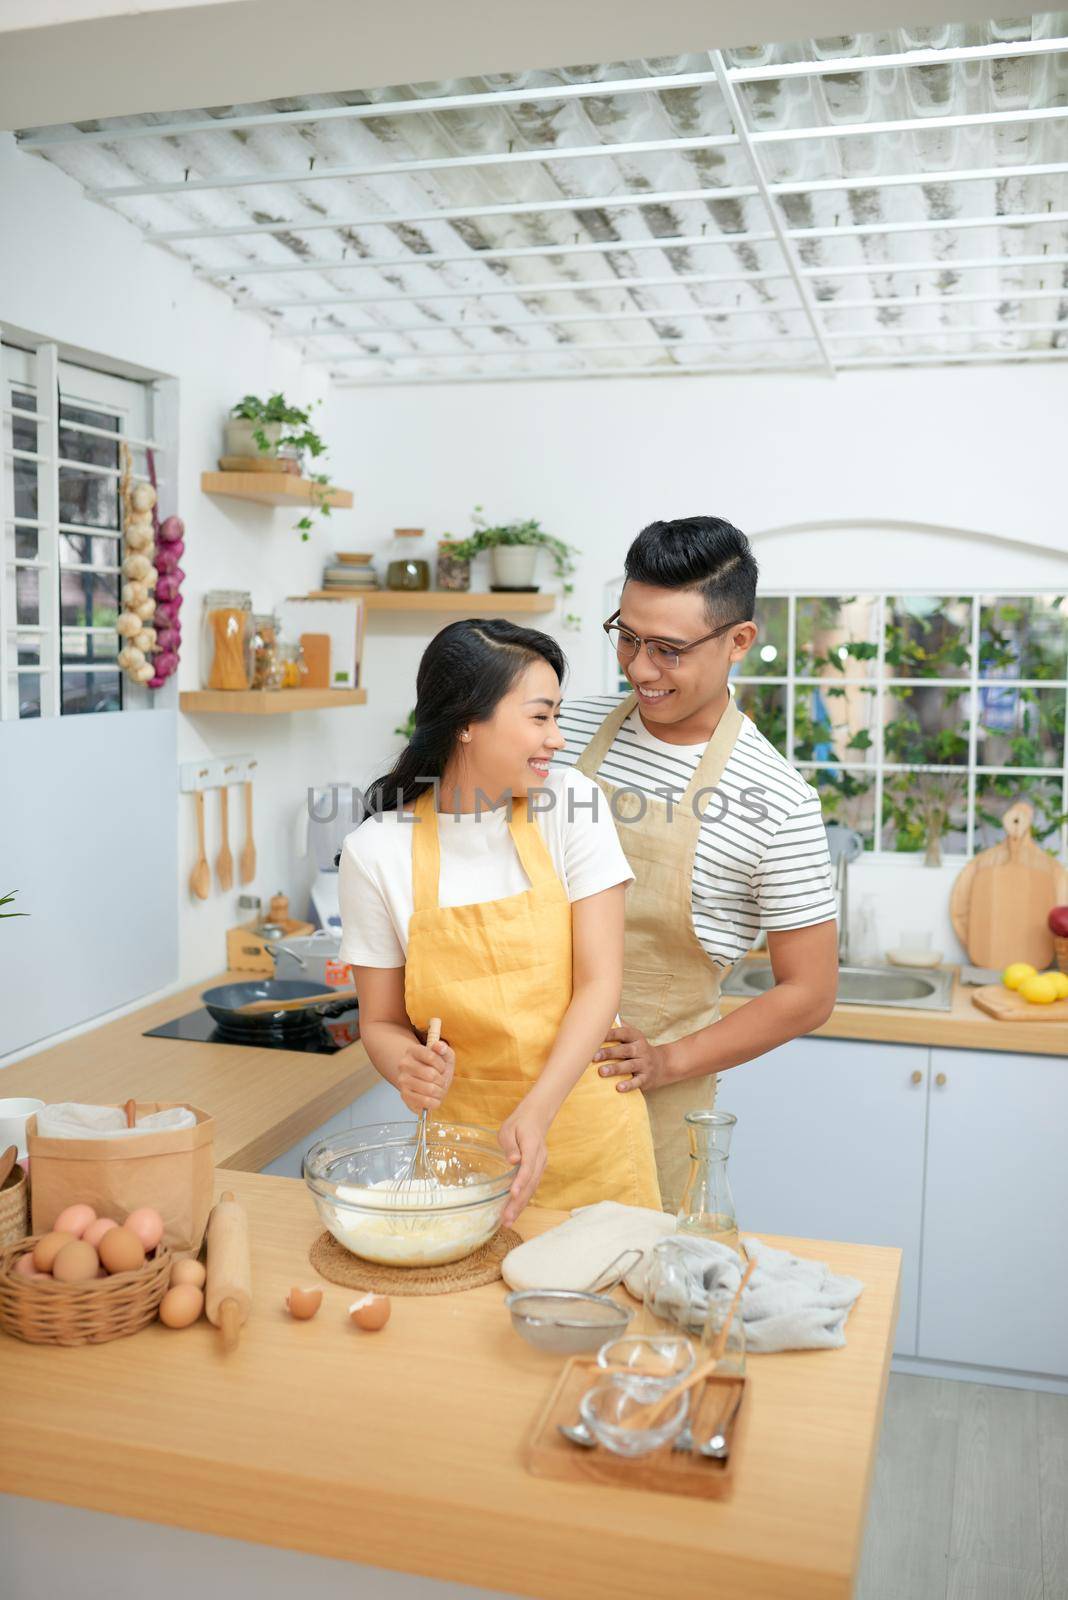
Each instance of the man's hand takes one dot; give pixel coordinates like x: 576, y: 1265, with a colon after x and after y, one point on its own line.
x: 522, y: 1138
x: 424, y: 1075
x: 627, y: 1053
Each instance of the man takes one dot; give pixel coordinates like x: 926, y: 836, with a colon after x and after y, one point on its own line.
x: 723, y: 835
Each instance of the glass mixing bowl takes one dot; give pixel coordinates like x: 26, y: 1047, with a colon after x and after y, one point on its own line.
x: 353, y: 1181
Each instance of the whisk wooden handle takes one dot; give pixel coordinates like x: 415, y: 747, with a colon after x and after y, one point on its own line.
x: 433, y: 1032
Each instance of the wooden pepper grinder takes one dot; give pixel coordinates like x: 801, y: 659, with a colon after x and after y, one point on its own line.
x: 278, y: 908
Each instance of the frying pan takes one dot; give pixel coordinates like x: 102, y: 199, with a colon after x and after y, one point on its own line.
x: 224, y: 1002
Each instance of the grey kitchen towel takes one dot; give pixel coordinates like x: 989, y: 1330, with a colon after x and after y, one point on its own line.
x: 789, y: 1303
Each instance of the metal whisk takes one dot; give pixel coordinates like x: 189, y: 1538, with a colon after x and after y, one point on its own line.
x: 419, y: 1169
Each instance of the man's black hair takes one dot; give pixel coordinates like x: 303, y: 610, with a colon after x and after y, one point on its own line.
x: 702, y: 553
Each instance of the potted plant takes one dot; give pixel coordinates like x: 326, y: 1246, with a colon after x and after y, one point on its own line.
x: 6, y: 900
x: 513, y: 548
x: 279, y: 430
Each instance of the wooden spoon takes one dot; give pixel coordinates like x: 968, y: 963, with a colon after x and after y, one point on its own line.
x: 255, y: 1008
x: 247, y: 862
x: 224, y: 861
x: 200, y: 877
x: 656, y: 1410
x: 7, y: 1162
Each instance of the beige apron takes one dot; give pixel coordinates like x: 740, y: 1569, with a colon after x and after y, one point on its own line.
x: 670, y: 983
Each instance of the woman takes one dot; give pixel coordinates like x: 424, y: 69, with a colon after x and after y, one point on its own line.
x: 504, y: 917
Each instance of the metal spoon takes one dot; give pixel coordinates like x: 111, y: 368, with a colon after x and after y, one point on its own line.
x: 578, y: 1433
x: 718, y: 1447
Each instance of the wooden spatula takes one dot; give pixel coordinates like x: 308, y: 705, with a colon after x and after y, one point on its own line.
x: 224, y: 861
x: 200, y: 877
x: 255, y: 1008
x: 247, y: 862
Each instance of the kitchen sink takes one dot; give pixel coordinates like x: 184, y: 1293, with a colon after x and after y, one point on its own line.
x: 860, y: 986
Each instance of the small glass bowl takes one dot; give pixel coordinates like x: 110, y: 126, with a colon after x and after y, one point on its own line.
x: 607, y: 1410
x: 655, y: 1362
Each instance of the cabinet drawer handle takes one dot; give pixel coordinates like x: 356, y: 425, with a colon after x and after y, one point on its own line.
x: 917, y: 1076
x: 940, y: 1079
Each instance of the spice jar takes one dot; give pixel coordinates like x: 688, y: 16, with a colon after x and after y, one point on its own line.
x: 266, y: 666
x: 454, y: 572
x: 291, y: 665
x: 225, y: 639
x: 406, y: 563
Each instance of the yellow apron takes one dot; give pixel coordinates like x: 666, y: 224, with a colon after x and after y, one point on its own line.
x: 670, y: 982
x: 499, y: 976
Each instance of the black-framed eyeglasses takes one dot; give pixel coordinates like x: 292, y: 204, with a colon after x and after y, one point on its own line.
x: 662, y: 654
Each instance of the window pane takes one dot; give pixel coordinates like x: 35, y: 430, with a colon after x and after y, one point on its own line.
x: 79, y: 645
x: 27, y: 596
x: 768, y: 654
x: 25, y: 691
x: 88, y: 498
x: 917, y: 803
x: 928, y: 636
x: 765, y: 703
x: 846, y: 797
x: 24, y: 486
x: 925, y: 725
x: 89, y: 599
x: 834, y: 722
x: 1020, y: 727
x: 75, y: 446
x: 26, y: 544
x: 996, y: 792
x: 836, y: 638
x: 85, y: 550
x: 91, y: 691
x: 26, y: 648
x: 1026, y: 637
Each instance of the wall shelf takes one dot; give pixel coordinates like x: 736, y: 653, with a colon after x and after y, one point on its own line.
x: 266, y: 702
x: 455, y: 602
x: 272, y: 489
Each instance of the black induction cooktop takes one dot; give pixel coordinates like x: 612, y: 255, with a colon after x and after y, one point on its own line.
x: 326, y: 1038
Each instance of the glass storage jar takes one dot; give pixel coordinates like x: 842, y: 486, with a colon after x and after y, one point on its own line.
x: 407, y: 567
x: 453, y: 572
x: 291, y: 666
x: 266, y: 664
x: 225, y: 639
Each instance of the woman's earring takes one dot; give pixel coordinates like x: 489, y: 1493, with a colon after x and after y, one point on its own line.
x: 466, y: 737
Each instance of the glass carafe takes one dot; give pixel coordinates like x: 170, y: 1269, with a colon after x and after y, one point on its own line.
x: 707, y: 1203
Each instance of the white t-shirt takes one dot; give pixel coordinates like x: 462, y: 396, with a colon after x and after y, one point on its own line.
x: 479, y: 862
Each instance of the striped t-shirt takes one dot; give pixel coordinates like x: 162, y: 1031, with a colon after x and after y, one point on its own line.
x: 761, y: 858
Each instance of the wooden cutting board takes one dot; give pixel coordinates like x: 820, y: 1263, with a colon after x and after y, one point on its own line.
x: 1002, y: 898
x: 1007, y: 1006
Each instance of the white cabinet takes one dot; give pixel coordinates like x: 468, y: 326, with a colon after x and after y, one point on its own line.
x: 994, y: 1286
x: 830, y: 1145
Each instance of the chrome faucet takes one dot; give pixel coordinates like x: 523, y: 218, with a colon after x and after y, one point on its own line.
x: 845, y: 845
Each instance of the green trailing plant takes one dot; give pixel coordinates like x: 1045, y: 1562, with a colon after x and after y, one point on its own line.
x: 406, y: 731
x: 8, y: 899
x: 297, y: 435
x: 487, y: 536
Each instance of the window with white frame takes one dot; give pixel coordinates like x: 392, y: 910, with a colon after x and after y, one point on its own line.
x: 897, y: 707
x: 61, y: 527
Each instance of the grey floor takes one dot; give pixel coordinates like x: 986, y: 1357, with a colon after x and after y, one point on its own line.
x: 970, y: 1499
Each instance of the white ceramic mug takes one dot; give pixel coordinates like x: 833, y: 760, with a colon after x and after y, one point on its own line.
x: 14, y: 1115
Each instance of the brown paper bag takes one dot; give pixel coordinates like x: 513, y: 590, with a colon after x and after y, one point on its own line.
x: 172, y: 1171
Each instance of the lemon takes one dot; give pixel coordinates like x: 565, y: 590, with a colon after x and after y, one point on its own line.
x: 1040, y: 990
x: 1014, y: 975
x: 1061, y: 980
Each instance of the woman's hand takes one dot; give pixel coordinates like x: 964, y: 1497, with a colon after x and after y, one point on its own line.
x: 424, y: 1075
x: 522, y: 1137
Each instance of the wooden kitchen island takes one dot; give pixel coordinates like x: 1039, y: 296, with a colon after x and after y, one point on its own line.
x: 404, y: 1450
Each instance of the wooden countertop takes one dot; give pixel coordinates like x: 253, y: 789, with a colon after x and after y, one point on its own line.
x: 963, y: 1027
x: 263, y: 1101
x: 404, y: 1449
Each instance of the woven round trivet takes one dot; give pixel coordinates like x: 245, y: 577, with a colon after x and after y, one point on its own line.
x: 333, y: 1261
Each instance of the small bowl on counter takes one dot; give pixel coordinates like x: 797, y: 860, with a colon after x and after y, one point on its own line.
x: 609, y: 1410
x: 567, y: 1322
x: 648, y: 1365
x: 354, y: 1177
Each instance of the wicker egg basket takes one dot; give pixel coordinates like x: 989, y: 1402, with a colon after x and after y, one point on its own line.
x: 80, y: 1313
x: 14, y: 1207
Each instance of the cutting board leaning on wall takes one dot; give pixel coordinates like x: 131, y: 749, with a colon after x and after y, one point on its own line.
x: 1002, y: 898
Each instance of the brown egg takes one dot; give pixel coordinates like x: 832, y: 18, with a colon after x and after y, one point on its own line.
x: 303, y: 1303
x: 75, y: 1219
x: 121, y: 1251
x: 96, y: 1231
x: 47, y: 1249
x: 75, y: 1263
x: 147, y: 1223
x: 181, y: 1307
x: 370, y: 1312
x: 24, y: 1267
x: 193, y: 1272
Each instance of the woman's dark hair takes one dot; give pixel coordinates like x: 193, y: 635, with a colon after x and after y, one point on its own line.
x: 466, y: 671
x: 703, y: 553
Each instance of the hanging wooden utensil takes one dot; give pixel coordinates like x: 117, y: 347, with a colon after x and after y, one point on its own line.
x: 200, y: 877
x: 1002, y: 898
x: 248, y: 854
x: 224, y: 861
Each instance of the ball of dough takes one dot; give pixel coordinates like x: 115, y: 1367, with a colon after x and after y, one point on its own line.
x: 143, y: 497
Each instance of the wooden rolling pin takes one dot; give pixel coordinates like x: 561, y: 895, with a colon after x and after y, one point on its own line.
x: 228, y: 1291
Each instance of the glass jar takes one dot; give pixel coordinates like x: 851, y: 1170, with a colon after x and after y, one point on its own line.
x: 707, y: 1203
x: 291, y: 666
x: 407, y: 567
x: 225, y: 638
x: 266, y: 665
x: 453, y: 571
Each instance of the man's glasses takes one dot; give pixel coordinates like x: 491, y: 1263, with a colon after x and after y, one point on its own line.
x: 627, y: 644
